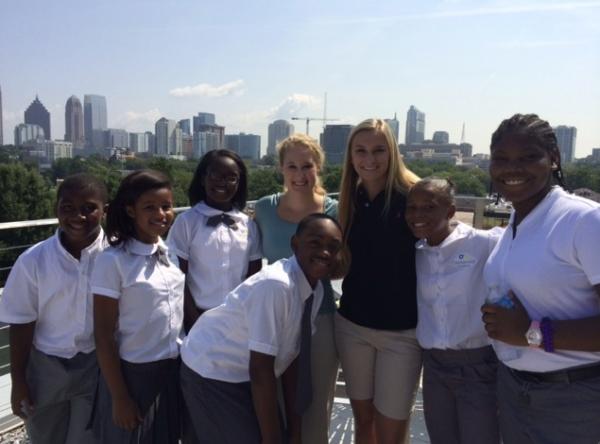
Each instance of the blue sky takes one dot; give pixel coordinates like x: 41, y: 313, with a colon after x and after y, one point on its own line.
x: 251, y: 62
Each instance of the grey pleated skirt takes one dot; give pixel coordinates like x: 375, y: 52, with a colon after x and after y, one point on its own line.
x: 154, y: 386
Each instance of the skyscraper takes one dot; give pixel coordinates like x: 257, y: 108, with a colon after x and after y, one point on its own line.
x: 566, y: 136
x: 94, y: 120
x: 415, y: 126
x: 74, y: 122
x: 394, y: 125
x: 184, y: 124
x: 1, y: 133
x: 278, y: 130
x: 37, y: 114
x: 26, y: 132
x: 246, y: 145
x: 333, y: 141
x: 203, y: 119
x: 168, y: 138
x: 441, y: 137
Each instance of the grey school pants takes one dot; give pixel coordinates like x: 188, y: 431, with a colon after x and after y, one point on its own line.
x: 62, y: 392
x: 548, y: 413
x: 459, y: 396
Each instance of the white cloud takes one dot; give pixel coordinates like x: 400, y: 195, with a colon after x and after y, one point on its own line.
x: 295, y: 105
x: 475, y: 12
x: 138, y: 121
x: 235, y: 87
x: 523, y: 44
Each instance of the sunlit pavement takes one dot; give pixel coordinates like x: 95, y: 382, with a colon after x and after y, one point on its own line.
x: 341, y: 430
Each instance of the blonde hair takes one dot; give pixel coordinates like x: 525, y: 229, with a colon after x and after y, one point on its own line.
x: 399, y: 178
x: 318, y: 155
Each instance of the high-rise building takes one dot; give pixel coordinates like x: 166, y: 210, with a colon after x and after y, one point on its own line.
x: 168, y: 138
x: 140, y: 142
x: 47, y: 151
x: 415, y: 126
x: 151, y: 141
x: 187, y: 146
x: 94, y: 120
x: 184, y: 124
x: 333, y: 141
x: 203, y: 119
x: 566, y: 136
x: 246, y: 145
x: 37, y: 114
x: 394, y: 125
x: 26, y: 132
x: 441, y: 137
x: 203, y: 142
x: 74, y: 122
x: 278, y: 131
x: 1, y: 131
x: 116, y: 138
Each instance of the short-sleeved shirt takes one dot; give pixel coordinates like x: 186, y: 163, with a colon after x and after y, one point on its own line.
x: 276, y: 234
x: 263, y: 314
x: 380, y: 289
x: 218, y: 256
x: 147, y: 282
x: 551, y: 265
x: 51, y: 287
x: 451, y: 289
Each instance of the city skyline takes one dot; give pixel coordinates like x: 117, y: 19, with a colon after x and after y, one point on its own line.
x: 457, y: 61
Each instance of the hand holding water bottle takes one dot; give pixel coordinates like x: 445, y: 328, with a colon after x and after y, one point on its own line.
x: 505, y: 318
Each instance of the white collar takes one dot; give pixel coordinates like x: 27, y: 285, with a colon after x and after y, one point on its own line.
x: 300, y: 280
x: 460, y: 231
x: 541, y: 207
x: 134, y: 246
x: 202, y: 208
x: 100, y: 239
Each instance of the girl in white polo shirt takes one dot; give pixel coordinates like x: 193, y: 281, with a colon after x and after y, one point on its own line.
x: 138, y: 314
x: 459, y: 365
x: 217, y: 244
x: 547, y: 261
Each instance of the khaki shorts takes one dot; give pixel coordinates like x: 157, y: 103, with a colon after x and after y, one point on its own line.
x: 382, y: 365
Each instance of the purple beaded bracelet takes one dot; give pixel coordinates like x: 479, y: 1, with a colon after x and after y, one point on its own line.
x: 547, y: 330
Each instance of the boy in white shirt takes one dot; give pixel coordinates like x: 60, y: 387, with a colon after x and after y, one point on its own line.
x: 47, y: 302
x: 235, y: 352
x: 459, y: 364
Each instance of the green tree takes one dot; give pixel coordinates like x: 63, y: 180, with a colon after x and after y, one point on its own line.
x: 262, y: 182
x: 332, y: 178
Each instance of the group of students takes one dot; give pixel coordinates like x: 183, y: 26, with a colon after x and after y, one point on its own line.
x: 194, y: 341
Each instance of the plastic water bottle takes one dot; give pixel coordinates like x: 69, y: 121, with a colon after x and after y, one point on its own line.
x: 500, y: 298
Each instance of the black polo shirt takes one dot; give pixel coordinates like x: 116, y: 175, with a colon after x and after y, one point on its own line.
x: 380, y: 290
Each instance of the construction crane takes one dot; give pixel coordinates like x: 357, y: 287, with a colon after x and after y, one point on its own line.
x: 308, y: 119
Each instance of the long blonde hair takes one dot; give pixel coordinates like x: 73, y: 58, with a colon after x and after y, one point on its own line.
x: 317, y: 154
x: 399, y: 178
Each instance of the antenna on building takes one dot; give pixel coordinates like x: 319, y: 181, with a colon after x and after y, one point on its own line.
x: 462, y: 134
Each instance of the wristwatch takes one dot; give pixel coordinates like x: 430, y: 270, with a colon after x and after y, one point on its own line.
x: 534, y: 334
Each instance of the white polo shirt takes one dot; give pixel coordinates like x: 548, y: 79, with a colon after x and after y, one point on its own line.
x: 263, y: 314
x: 148, y: 283
x: 49, y: 286
x: 551, y: 265
x: 218, y: 256
x: 451, y: 289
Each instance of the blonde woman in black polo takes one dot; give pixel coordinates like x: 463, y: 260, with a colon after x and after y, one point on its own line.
x: 375, y: 324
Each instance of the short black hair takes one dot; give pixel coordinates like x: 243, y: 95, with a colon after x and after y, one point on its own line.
x: 444, y: 186
x: 306, y: 221
x: 119, y: 225
x: 539, y: 131
x: 197, y: 192
x: 83, y: 182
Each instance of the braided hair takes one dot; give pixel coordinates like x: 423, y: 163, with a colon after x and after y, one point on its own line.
x: 537, y: 130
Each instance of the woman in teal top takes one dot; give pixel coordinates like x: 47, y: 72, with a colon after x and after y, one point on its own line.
x: 301, y: 159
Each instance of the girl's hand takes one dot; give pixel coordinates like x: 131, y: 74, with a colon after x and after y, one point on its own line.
x: 506, y: 324
x: 20, y: 400
x: 126, y: 413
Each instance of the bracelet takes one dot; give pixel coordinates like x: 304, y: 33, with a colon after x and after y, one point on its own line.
x: 547, y: 334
